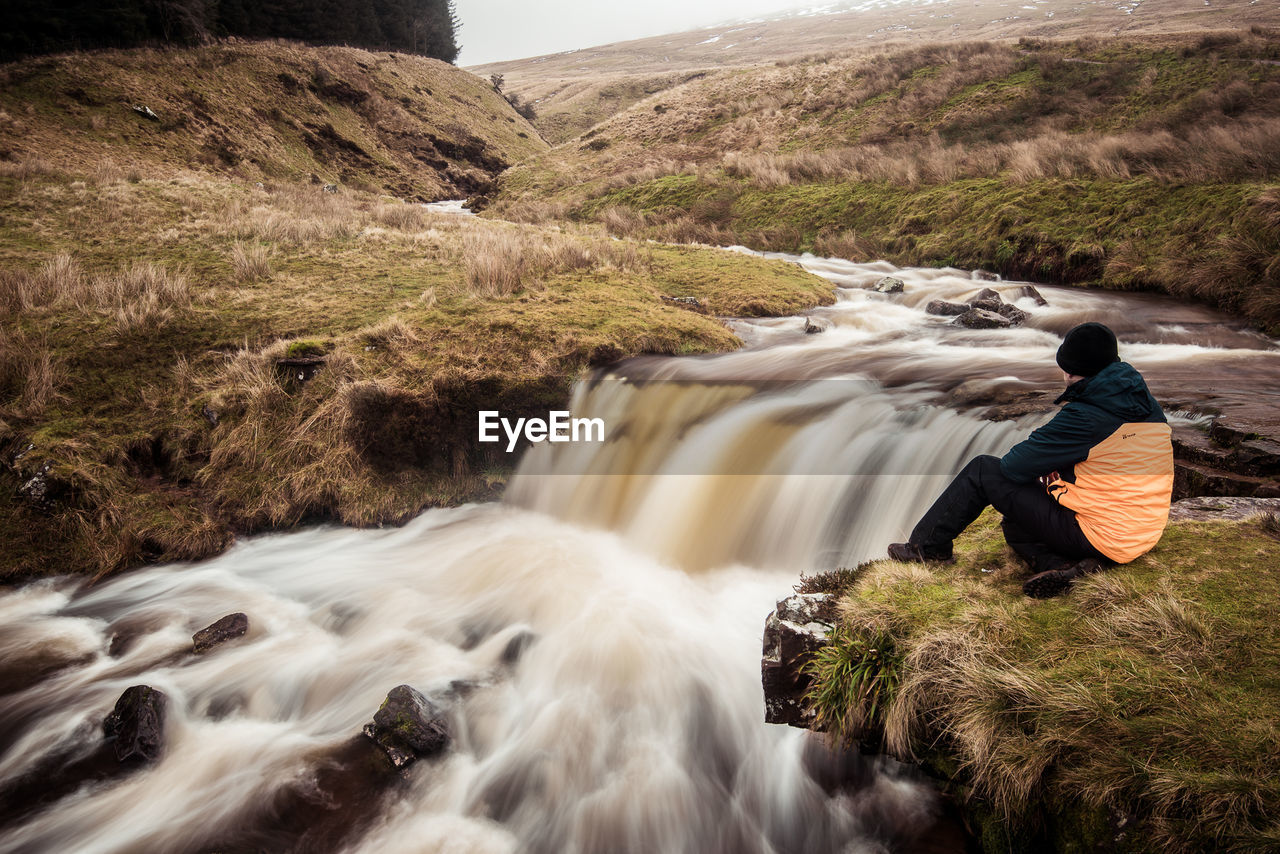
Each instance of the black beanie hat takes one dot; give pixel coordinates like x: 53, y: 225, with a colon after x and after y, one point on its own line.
x: 1087, y: 349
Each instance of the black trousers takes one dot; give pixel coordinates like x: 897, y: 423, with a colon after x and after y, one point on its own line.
x: 1043, y: 533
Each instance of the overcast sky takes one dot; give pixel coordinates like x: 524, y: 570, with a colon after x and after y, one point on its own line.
x: 494, y: 30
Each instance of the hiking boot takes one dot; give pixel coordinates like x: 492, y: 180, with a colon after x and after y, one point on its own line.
x: 911, y: 553
x: 1054, y: 582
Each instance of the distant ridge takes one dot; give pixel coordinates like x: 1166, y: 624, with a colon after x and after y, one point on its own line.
x: 573, y: 90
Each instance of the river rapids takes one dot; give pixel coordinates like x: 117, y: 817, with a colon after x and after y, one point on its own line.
x: 595, y: 636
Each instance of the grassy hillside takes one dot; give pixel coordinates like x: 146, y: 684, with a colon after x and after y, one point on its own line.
x: 568, y: 107
x: 186, y: 354
x: 1136, y: 164
x: 576, y: 89
x: 417, y: 128
x: 1140, y: 712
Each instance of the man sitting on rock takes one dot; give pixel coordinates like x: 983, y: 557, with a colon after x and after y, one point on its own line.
x: 1089, y: 489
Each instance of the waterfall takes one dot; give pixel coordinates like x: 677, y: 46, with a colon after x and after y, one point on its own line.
x: 634, y: 574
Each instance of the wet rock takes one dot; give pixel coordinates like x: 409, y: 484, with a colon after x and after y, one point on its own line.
x: 515, y: 648
x: 1195, y: 479
x: 1030, y: 292
x: 984, y: 276
x: 1260, y: 457
x: 228, y: 628
x: 943, y: 308
x: 890, y: 285
x: 1012, y: 313
x: 299, y: 369
x: 986, y: 299
x: 687, y: 302
x: 408, y: 726
x: 1221, y: 508
x: 812, y: 328
x: 980, y: 318
x: 797, y: 628
x: 146, y: 112
x: 136, y: 724
x: 35, y: 489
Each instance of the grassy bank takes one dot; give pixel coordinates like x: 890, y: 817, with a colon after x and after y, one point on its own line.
x: 1137, y: 713
x: 185, y: 358
x: 1136, y: 164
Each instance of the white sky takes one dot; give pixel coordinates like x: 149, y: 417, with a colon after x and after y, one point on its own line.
x: 495, y: 30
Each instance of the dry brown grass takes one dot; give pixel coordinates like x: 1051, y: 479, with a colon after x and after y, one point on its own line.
x: 29, y: 375
x: 500, y: 262
x: 139, y: 296
x: 1133, y: 695
x: 250, y: 262
x: 25, y: 168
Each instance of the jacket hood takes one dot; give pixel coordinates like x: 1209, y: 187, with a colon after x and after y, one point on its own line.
x: 1118, y: 389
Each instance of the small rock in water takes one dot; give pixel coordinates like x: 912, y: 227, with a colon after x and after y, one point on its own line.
x: 890, y: 285
x: 408, y: 726
x: 228, y: 628
x: 137, y: 724
x: 1012, y: 313
x: 946, y: 309
x: 984, y: 276
x: 797, y: 628
x: 516, y: 647
x: 980, y: 318
x: 811, y: 328
x: 1030, y: 292
x: 987, y: 299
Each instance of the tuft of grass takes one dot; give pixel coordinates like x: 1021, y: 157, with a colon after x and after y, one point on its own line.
x: 1143, y: 693
x: 855, y: 679
x: 251, y: 263
x: 497, y: 263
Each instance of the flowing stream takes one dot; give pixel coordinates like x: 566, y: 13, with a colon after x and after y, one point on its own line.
x: 596, y: 636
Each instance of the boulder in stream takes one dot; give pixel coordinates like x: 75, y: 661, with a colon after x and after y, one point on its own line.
x: 984, y: 276
x: 408, y: 726
x: 811, y: 328
x: 1012, y: 313
x: 946, y: 309
x: 890, y: 285
x: 228, y: 628
x: 136, y: 724
x: 987, y: 299
x: 1030, y: 292
x: 798, y: 627
x: 980, y: 318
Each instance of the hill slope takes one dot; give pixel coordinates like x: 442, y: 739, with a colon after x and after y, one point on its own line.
x: 1147, y: 163
x: 574, y: 90
x: 194, y: 350
x: 414, y: 127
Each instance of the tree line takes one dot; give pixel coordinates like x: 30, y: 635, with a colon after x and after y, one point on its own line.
x: 425, y: 27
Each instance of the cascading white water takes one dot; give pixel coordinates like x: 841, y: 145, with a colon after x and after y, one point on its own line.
x: 642, y: 569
